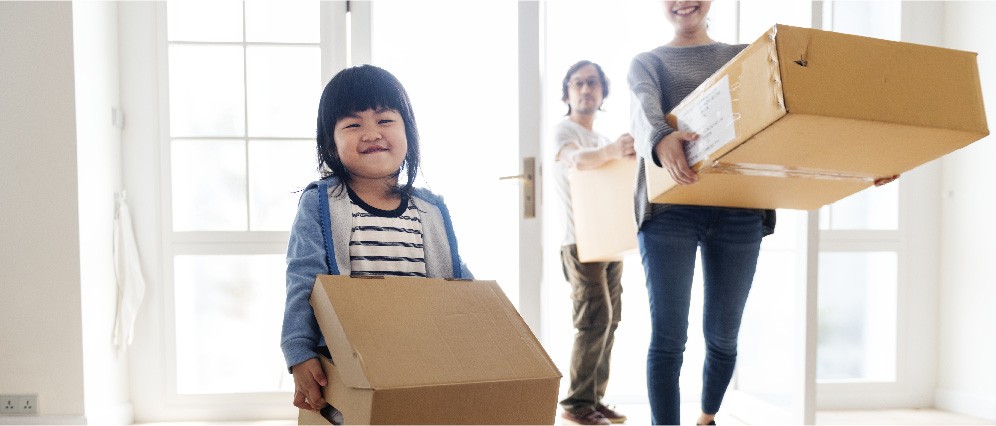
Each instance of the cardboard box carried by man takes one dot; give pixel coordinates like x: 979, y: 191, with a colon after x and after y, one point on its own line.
x: 429, y: 351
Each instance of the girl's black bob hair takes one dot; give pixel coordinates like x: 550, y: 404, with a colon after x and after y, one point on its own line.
x: 358, y: 89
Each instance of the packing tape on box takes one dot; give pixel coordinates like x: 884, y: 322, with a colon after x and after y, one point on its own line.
x: 783, y: 172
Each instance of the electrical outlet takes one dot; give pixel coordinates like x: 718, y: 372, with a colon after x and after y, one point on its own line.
x: 18, y: 405
x: 29, y: 404
x: 9, y: 404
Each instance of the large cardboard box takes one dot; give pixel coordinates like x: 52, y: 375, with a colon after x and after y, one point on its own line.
x: 429, y: 351
x: 604, y: 219
x: 802, y: 118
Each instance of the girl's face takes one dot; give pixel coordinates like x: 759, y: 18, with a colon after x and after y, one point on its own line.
x: 687, y: 16
x: 372, y: 143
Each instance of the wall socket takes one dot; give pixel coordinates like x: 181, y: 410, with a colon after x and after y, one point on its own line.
x: 18, y: 405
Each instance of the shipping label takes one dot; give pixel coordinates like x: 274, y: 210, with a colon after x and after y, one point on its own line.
x: 711, y: 116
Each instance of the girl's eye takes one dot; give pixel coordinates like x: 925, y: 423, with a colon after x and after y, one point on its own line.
x: 386, y: 121
x: 351, y: 125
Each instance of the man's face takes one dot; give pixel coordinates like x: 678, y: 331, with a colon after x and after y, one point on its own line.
x: 584, y: 90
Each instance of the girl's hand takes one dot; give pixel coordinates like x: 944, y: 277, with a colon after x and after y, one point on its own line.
x: 308, y: 380
x: 671, y: 153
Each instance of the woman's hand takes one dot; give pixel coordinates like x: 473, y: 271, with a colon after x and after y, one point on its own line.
x: 885, y: 180
x: 671, y: 153
x: 308, y: 380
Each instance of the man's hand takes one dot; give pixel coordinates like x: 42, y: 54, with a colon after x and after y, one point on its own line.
x: 308, y: 379
x: 671, y: 153
x: 622, y: 147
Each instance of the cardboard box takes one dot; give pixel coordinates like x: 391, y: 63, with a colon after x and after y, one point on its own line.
x: 430, y: 351
x: 802, y: 118
x: 604, y: 218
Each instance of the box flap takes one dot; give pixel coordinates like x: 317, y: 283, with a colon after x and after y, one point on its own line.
x: 400, y: 332
x: 841, y: 75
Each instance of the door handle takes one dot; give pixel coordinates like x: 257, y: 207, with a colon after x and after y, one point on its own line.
x: 528, y: 179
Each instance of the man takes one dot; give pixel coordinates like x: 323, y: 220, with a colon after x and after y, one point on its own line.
x: 596, y: 286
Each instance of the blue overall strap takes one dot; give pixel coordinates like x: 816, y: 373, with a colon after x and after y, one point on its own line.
x: 323, y: 211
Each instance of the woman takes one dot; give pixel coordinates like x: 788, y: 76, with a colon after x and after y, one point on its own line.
x: 670, y: 234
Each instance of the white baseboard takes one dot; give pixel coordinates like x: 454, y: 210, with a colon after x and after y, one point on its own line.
x: 118, y: 414
x: 972, y: 404
x: 43, y: 420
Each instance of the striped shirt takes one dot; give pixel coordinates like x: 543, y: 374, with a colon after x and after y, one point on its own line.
x: 386, y: 242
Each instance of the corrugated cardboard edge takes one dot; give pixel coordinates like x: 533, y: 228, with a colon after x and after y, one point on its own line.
x: 353, y: 369
x: 523, y: 327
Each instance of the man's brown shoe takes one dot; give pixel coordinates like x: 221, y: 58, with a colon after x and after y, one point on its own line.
x: 585, y: 417
x: 610, y: 413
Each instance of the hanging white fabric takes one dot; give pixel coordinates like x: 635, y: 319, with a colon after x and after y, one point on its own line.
x: 128, y: 273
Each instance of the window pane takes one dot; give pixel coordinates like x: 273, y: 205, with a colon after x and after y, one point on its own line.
x: 206, y: 91
x: 857, y: 316
x: 279, y: 169
x: 440, y: 80
x: 227, y: 308
x: 769, y: 331
x: 209, y: 185
x: 284, y: 85
x: 758, y: 16
x: 877, y: 18
x: 285, y: 21
x: 874, y: 208
x: 204, y: 20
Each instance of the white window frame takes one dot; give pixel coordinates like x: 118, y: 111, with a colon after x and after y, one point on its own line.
x: 154, y: 369
x: 915, y: 242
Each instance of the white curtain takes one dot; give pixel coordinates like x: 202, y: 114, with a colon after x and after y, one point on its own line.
x: 128, y: 273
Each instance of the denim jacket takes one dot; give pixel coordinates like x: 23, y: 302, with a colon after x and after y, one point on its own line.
x: 319, y: 244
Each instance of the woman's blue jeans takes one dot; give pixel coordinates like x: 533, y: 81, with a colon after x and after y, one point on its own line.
x: 730, y: 241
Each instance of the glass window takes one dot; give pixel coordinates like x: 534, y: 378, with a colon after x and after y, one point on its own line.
x: 758, y: 16
x: 876, y: 208
x: 206, y: 91
x: 227, y: 324
x: 281, y: 169
x: 878, y: 19
x: 873, y: 208
x: 282, y: 99
x: 284, y: 21
x: 212, y: 21
x: 857, y: 316
x: 209, y: 181
x: 769, y: 330
x: 243, y: 101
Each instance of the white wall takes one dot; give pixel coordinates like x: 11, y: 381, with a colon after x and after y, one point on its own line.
x: 99, y: 153
x: 967, y: 373
x: 41, y: 340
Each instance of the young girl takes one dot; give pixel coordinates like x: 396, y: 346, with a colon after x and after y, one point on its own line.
x: 359, y: 219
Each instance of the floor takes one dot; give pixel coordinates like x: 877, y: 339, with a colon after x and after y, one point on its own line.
x: 639, y: 414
